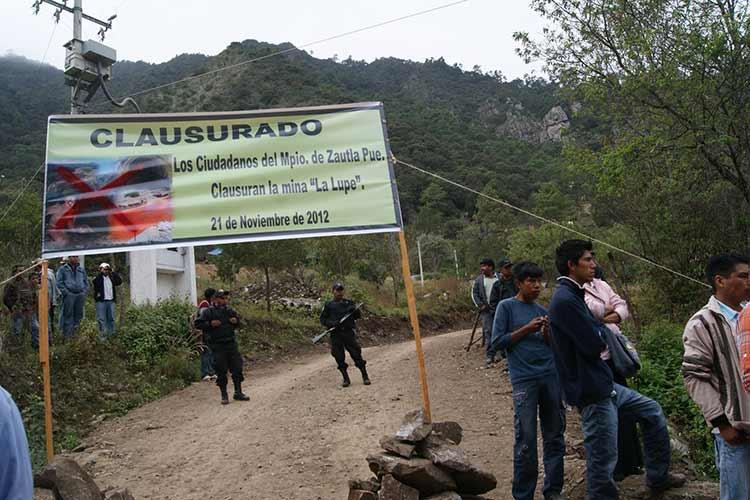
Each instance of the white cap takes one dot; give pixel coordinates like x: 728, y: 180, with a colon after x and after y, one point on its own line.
x: 103, y: 265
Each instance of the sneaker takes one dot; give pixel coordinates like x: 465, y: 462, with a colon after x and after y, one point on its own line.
x: 207, y: 378
x: 224, y: 399
x: 673, y: 480
x: 213, y: 377
x: 239, y: 396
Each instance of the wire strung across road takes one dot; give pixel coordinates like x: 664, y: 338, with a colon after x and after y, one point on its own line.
x: 303, y: 46
x: 552, y: 222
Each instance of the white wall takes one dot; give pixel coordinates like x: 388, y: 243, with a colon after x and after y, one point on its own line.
x: 160, y: 274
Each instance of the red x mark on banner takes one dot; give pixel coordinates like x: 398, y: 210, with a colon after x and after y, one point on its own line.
x: 92, y: 197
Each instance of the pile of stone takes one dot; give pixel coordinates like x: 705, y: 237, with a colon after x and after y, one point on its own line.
x: 64, y: 479
x: 422, y: 461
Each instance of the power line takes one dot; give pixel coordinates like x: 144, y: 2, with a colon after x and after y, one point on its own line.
x: 309, y: 44
x: 552, y: 222
x: 49, y: 42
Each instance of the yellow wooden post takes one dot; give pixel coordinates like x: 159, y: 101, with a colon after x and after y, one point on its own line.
x: 412, y: 302
x: 44, y: 358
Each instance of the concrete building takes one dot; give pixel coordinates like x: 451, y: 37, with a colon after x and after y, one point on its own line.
x: 161, y: 274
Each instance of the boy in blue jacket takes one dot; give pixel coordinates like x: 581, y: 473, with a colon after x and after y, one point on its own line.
x: 586, y: 379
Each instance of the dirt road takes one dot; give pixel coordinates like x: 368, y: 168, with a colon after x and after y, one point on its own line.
x: 301, y: 436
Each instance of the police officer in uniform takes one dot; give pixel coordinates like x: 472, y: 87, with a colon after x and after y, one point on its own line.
x: 218, y: 323
x: 340, y: 314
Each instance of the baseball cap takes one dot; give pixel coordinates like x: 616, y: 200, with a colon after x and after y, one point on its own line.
x: 338, y: 286
x: 221, y: 293
x: 505, y: 263
x: 103, y: 265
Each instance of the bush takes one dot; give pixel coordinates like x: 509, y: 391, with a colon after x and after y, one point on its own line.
x: 660, y: 378
x: 152, y: 331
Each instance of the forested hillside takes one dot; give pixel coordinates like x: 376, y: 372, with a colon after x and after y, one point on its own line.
x: 467, y: 125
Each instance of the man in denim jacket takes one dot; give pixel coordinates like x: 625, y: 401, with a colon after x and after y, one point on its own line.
x: 73, y: 286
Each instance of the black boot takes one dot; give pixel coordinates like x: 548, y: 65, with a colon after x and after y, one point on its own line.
x: 224, y: 395
x: 238, y: 395
x: 365, y: 378
x: 346, y: 382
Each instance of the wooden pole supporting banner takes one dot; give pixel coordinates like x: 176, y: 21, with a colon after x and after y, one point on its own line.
x: 412, y: 302
x: 44, y: 358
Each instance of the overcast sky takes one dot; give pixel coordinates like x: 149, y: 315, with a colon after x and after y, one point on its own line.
x: 475, y: 32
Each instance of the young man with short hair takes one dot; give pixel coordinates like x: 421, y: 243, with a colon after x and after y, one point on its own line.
x: 521, y: 329
x: 481, y: 295
x: 710, y: 368
x: 588, y: 384
x: 218, y: 323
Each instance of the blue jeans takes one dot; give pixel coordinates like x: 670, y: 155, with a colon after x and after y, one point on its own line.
x: 487, y: 317
x: 733, y: 463
x: 105, y: 318
x: 72, y: 313
x: 599, y: 423
x: 31, y: 319
x: 528, y: 397
x: 207, y: 362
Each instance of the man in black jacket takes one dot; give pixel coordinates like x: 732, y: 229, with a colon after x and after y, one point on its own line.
x: 340, y: 314
x: 580, y: 358
x: 105, y: 295
x: 218, y: 323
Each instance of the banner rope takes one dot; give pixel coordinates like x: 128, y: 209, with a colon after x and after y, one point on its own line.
x: 21, y: 273
x: 552, y: 222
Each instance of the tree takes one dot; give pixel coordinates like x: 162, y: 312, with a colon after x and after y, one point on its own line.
x: 552, y: 203
x: 675, y: 70
x: 435, y: 205
x: 267, y: 255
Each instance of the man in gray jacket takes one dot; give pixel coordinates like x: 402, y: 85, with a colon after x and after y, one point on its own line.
x: 482, y: 296
x: 710, y: 368
x: 73, y: 285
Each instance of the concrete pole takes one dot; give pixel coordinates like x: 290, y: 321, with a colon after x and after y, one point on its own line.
x: 75, y: 107
x: 455, y: 259
x: 421, y: 273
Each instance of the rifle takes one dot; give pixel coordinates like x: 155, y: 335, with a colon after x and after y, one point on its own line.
x: 473, y: 331
x: 317, y: 338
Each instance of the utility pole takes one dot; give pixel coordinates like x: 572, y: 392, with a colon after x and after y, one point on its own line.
x: 421, y: 273
x: 86, y: 65
x: 75, y: 107
x: 455, y: 259
x: 86, y: 60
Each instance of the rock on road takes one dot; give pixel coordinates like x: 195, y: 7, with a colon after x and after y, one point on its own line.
x: 301, y: 436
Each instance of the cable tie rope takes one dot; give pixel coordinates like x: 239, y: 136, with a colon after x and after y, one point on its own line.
x: 550, y: 221
x: 21, y: 273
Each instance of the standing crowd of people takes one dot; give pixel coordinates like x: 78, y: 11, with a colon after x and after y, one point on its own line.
x: 570, y: 354
x: 67, y: 291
